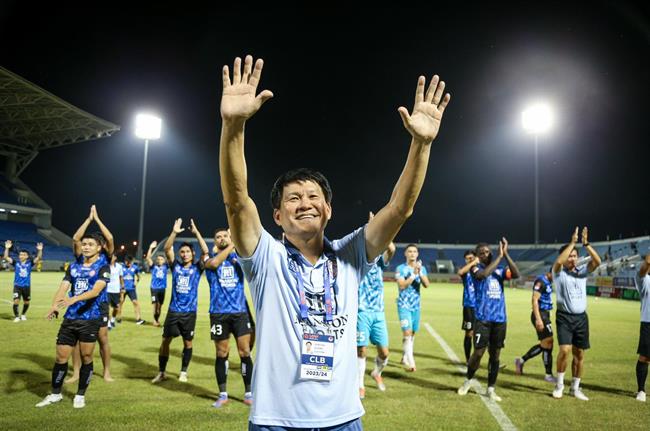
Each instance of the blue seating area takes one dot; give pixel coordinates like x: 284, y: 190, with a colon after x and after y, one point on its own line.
x: 429, y: 255
x: 25, y: 236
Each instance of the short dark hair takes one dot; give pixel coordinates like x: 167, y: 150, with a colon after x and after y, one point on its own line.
x: 22, y: 250
x: 216, y: 231
x: 411, y: 245
x: 100, y: 237
x: 299, y: 175
x: 565, y: 246
x: 481, y: 244
x: 94, y: 236
x: 468, y: 252
x: 187, y: 244
x: 128, y: 258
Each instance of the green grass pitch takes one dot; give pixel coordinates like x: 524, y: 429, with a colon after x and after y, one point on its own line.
x: 424, y: 400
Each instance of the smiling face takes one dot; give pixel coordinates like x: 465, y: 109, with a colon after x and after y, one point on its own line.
x: 186, y: 254
x: 304, y: 211
x: 222, y: 239
x: 23, y: 256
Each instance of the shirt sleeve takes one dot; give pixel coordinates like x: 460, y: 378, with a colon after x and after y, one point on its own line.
x: 67, y: 277
x: 351, y: 249
x: 258, y: 265
x: 105, y: 274
x: 583, y: 270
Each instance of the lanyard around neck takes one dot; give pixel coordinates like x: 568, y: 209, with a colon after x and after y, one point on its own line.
x: 295, y: 261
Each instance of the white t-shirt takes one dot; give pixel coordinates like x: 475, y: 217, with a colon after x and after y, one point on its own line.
x: 114, y: 285
x: 281, y: 397
x: 643, y: 286
x: 571, y: 289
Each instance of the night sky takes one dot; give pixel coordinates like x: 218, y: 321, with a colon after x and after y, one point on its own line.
x: 338, y: 76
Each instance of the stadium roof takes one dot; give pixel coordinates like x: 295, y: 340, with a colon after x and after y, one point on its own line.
x: 32, y: 120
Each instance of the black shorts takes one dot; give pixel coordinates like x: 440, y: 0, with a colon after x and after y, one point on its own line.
x: 158, y: 296
x: 84, y: 331
x: 572, y: 329
x: 468, y: 318
x: 132, y: 294
x: 644, y: 340
x: 179, y: 324
x: 103, y: 309
x: 548, y: 327
x: 22, y: 292
x: 491, y: 334
x: 114, y: 299
x: 222, y: 325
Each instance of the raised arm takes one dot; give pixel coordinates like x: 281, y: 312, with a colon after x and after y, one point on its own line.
x: 205, y: 251
x: 423, y: 125
x: 514, y: 270
x: 39, y: 252
x: 595, y: 261
x: 465, y: 269
x: 481, y: 274
x: 110, y: 242
x: 390, y: 252
x: 562, y: 257
x: 169, y: 244
x: 403, y: 283
x: 214, y: 262
x: 8, y: 245
x: 152, y: 247
x: 424, y: 280
x: 238, y: 104
x: 76, y: 238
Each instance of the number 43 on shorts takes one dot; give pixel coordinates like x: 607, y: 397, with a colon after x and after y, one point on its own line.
x: 216, y: 329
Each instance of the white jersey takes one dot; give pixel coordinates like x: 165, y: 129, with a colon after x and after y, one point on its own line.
x: 281, y: 397
x: 114, y: 285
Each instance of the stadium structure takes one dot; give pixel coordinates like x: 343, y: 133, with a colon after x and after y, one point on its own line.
x: 33, y: 120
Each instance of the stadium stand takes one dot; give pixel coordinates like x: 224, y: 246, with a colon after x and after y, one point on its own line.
x: 33, y: 120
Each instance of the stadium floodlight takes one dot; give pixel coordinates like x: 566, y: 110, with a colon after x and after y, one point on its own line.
x: 147, y: 127
x: 13, y: 212
x: 537, y: 119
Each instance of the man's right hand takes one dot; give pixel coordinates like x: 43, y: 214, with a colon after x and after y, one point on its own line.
x: 238, y: 101
x: 177, y: 226
x: 574, y: 237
